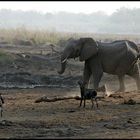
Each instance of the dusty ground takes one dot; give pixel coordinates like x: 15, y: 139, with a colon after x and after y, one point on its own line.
x: 23, y: 118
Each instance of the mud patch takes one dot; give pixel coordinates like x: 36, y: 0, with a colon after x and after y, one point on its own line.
x: 40, y: 129
x: 28, y: 80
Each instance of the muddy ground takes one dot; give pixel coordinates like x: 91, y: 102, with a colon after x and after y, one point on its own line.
x: 31, y: 73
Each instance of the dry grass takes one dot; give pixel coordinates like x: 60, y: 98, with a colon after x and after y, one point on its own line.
x: 38, y: 37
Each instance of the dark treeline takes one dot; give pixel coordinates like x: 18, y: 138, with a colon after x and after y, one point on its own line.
x: 124, y: 20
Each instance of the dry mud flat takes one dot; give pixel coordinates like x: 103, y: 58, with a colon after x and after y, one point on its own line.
x: 23, y: 118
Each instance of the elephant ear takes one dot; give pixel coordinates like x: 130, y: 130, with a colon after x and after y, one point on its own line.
x: 89, y: 48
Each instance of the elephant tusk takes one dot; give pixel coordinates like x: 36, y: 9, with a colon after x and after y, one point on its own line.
x: 64, y: 60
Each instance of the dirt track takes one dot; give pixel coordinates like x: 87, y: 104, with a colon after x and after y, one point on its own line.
x: 23, y: 118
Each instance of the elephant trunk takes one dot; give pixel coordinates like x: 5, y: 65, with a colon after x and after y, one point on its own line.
x: 63, y: 64
x: 63, y: 67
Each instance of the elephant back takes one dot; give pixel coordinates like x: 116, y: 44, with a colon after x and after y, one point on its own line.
x: 131, y: 44
x: 119, y: 43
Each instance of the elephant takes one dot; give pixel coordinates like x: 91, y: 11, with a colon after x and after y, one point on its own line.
x: 118, y: 58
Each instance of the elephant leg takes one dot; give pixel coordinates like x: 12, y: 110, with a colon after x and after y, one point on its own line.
x: 92, y: 102
x: 121, y: 82
x: 136, y: 76
x: 84, y: 102
x: 81, y: 101
x: 96, y: 102
x: 97, y: 78
x: 86, y: 75
x: 96, y: 71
